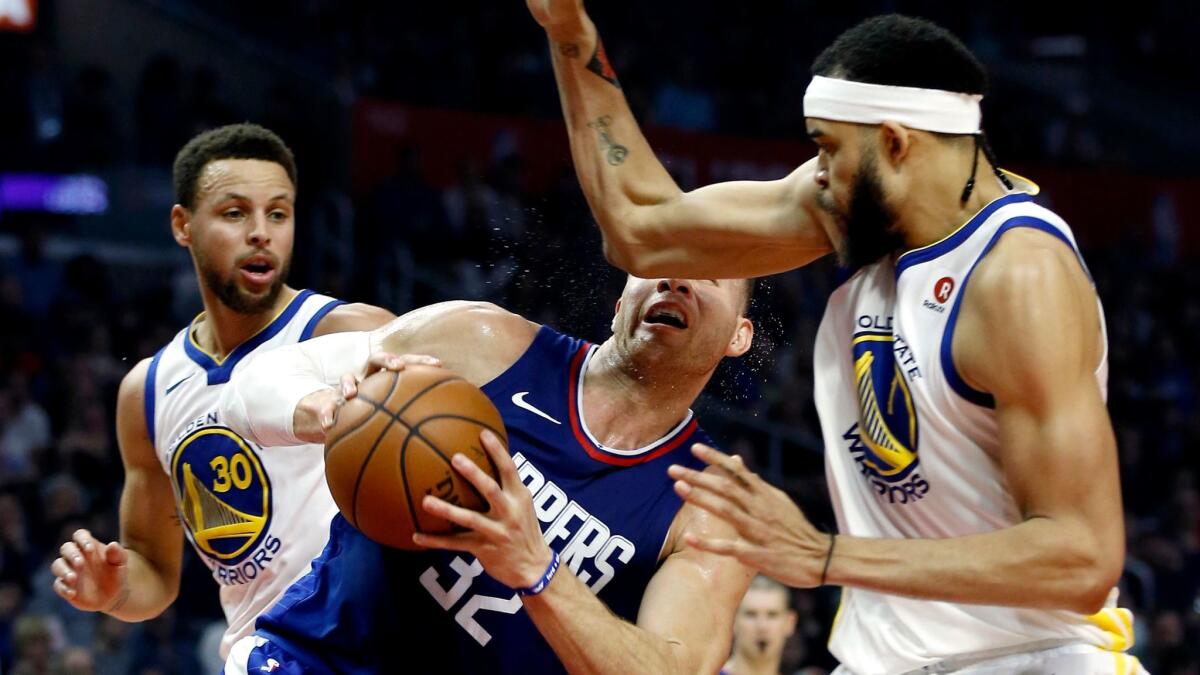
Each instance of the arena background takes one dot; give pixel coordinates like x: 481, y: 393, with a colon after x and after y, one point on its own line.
x: 433, y: 165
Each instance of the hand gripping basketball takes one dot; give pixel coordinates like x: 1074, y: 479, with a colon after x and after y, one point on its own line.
x: 392, y: 444
x: 506, y: 539
x: 316, y: 413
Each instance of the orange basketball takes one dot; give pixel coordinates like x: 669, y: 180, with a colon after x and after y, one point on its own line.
x: 391, y: 445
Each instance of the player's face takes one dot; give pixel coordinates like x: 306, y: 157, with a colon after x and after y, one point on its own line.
x: 699, y: 319
x: 851, y: 191
x: 241, y: 231
x: 763, y: 624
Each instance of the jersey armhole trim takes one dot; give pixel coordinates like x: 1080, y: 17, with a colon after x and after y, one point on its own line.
x: 311, y: 326
x: 148, y: 394
x: 545, y: 336
x: 953, y: 378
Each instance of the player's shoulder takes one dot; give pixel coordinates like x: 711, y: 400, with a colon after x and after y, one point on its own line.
x: 132, y: 422
x: 356, y: 316
x: 478, y: 339
x: 1026, y: 268
x: 133, y: 384
x: 479, y: 318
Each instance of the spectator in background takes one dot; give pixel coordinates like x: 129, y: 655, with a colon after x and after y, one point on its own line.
x: 35, y: 645
x: 764, y: 622
x: 75, y: 661
x: 24, y: 430
x: 37, y: 275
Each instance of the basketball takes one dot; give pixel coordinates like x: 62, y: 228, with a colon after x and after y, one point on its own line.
x: 391, y: 445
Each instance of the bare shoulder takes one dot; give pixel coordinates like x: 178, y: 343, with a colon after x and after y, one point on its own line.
x: 132, y: 391
x: 353, y: 317
x: 1029, y: 313
x: 479, y: 340
x: 133, y: 435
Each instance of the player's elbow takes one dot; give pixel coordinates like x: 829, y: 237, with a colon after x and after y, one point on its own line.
x: 631, y: 239
x: 1095, y: 580
x: 617, y: 254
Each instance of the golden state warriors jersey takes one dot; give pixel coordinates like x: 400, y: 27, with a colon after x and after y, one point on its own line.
x: 909, y: 447
x: 256, y: 516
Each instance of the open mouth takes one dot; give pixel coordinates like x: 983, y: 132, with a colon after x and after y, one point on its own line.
x: 258, y: 268
x: 666, y: 315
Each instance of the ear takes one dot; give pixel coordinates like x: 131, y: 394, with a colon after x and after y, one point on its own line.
x: 181, y: 226
x: 616, y: 310
x: 895, y: 142
x: 791, y: 622
x: 743, y: 336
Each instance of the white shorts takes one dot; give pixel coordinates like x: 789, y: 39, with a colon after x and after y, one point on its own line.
x: 1065, y: 660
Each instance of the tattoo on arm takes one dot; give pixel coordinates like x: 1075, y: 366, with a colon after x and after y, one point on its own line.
x: 569, y: 50
x: 614, y: 152
x: 600, y: 65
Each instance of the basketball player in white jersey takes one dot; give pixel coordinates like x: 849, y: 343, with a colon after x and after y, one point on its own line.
x: 257, y: 518
x: 960, y: 372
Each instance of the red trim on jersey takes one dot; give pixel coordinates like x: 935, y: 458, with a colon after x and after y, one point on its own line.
x: 600, y: 454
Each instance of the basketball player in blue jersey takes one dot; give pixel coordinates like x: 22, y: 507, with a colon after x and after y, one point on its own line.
x: 252, y: 515
x: 578, y: 564
x: 960, y: 372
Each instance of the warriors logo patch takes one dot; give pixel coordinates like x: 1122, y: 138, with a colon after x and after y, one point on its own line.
x: 884, y: 443
x: 223, y: 493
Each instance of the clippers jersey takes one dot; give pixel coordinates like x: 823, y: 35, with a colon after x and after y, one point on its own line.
x: 256, y: 516
x: 366, y: 608
x: 909, y: 451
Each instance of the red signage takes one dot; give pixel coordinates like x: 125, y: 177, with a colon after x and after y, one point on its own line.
x: 19, y: 16
x: 448, y: 139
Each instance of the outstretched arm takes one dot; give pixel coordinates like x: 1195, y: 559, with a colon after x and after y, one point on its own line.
x: 290, y: 395
x: 652, y: 228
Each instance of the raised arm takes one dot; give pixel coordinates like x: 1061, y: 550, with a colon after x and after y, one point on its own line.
x: 138, y: 577
x: 652, y: 228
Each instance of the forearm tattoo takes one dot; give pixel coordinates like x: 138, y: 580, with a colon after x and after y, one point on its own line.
x: 600, y: 65
x: 614, y: 152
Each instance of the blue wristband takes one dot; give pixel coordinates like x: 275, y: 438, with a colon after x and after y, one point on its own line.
x: 542, y: 583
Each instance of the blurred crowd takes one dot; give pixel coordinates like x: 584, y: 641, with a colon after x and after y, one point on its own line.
x: 74, y: 324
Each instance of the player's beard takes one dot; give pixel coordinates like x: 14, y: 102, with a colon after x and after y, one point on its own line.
x: 869, y: 221
x: 235, y: 297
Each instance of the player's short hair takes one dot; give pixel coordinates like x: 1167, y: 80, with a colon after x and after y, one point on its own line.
x: 748, y: 294
x: 764, y: 583
x: 233, y: 141
x: 903, y: 51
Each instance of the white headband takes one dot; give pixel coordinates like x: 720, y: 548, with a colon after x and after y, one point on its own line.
x: 945, y: 112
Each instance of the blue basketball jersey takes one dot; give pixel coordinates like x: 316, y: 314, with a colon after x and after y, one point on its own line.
x: 366, y: 608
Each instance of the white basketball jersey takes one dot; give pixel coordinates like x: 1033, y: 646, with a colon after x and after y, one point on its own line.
x: 909, y: 451
x: 256, y: 516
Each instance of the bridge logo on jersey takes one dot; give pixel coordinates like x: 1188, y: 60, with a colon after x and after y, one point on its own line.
x: 884, y: 441
x: 223, y: 493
